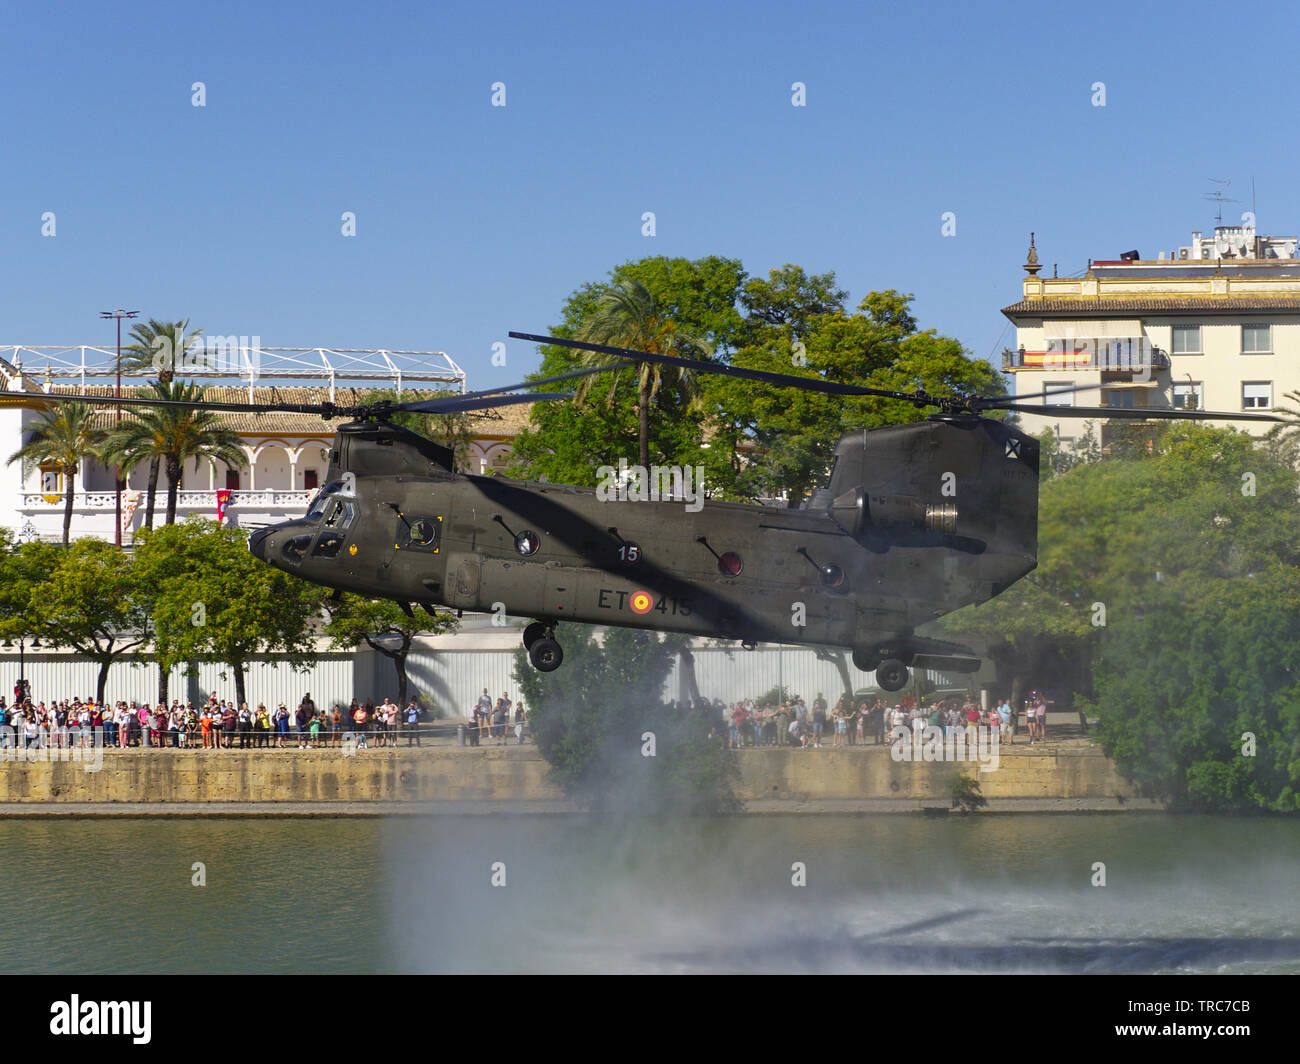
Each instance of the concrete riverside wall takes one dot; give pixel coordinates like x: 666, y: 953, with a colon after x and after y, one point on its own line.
x: 508, y: 776
x: 1075, y: 773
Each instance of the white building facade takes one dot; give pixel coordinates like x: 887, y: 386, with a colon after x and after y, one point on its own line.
x: 1214, y: 325
x: 286, y: 453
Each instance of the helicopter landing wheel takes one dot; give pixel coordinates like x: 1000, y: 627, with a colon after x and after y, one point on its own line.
x: 545, y: 654
x: 891, y: 675
x: 865, y: 661
x: 534, y: 632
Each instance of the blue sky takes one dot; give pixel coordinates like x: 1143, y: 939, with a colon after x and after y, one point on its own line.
x: 473, y: 220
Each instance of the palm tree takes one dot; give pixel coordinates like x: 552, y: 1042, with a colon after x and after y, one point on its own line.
x: 171, y: 435
x: 158, y: 347
x: 63, y: 437
x: 628, y: 315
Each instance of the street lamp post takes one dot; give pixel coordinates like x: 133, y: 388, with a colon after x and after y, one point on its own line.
x: 117, y: 419
x: 20, y: 688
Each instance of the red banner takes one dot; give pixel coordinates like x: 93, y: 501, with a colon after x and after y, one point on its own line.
x: 223, y: 497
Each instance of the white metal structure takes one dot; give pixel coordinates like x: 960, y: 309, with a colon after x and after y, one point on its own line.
x: 285, y: 460
x: 236, y: 358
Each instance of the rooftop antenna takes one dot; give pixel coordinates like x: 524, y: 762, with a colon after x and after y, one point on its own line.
x: 1219, y: 198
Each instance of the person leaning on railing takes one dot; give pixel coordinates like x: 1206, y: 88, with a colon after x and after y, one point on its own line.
x: 261, y: 727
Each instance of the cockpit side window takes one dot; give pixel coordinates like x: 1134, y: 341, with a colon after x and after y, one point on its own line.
x: 318, y: 505
x: 339, y: 514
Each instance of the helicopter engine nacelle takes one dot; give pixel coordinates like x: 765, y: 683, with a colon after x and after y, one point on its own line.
x: 856, y: 511
x: 908, y: 512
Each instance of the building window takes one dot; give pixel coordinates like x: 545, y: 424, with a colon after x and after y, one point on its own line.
x: 1256, y: 395
x: 309, y: 481
x: 1256, y: 339
x: 1120, y: 398
x: 1186, y: 340
x: 1058, y: 386
x: 1189, y: 396
x: 51, y: 479
x: 232, y: 479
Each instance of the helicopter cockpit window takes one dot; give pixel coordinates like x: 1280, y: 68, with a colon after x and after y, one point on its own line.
x: 327, y: 545
x: 295, y: 549
x: 339, y: 514
x: 318, y: 505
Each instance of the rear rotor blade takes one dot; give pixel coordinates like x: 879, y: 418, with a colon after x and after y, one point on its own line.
x: 987, y: 402
x: 1133, y: 413
x: 811, y: 384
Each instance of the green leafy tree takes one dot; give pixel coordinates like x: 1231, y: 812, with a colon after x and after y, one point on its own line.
x: 158, y: 347
x: 591, y: 717
x: 1167, y: 585
x: 384, y: 627
x: 628, y: 315
x: 83, y: 597
x: 567, y: 442
x: 210, y: 599
x: 63, y: 436
x: 1199, y: 695
x: 788, y: 303
x: 173, y: 435
x: 773, y: 442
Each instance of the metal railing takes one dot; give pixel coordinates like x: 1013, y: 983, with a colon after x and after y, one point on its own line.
x: 279, y: 498
x: 115, y: 736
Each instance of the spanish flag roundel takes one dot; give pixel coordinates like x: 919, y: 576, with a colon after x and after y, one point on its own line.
x: 642, y: 602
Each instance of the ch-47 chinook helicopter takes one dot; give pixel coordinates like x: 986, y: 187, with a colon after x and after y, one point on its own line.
x: 917, y: 520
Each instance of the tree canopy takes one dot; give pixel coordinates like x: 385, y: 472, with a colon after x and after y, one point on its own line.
x: 753, y: 442
x: 83, y: 597
x: 384, y: 627
x: 210, y: 599
x: 1165, y: 601
x: 611, y: 741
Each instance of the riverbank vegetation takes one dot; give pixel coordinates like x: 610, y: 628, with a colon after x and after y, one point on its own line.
x: 1167, y: 603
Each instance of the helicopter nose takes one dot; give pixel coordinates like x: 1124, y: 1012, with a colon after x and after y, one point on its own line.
x: 257, y: 543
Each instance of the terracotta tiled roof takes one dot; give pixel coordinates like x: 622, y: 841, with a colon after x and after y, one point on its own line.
x: 1084, y: 306
x: 510, y: 420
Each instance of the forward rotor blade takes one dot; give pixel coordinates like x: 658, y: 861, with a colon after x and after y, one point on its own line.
x: 1134, y: 413
x: 421, y: 406
x: 811, y: 384
x: 459, y: 404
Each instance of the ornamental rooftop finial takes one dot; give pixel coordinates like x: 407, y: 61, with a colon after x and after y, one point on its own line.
x: 1031, y: 261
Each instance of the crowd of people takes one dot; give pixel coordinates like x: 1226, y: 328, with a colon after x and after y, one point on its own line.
x: 216, y: 724
x: 794, y: 723
x: 219, y: 725
x: 489, y: 720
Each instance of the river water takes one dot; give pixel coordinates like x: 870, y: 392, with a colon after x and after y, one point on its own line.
x: 983, y: 893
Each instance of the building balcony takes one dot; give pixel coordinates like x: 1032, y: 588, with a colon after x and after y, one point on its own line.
x: 1104, y: 358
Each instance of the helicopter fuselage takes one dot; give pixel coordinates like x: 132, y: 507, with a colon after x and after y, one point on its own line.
x: 889, y: 550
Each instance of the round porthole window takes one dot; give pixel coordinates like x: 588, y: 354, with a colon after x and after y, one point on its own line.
x: 832, y: 576
x: 526, y: 543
